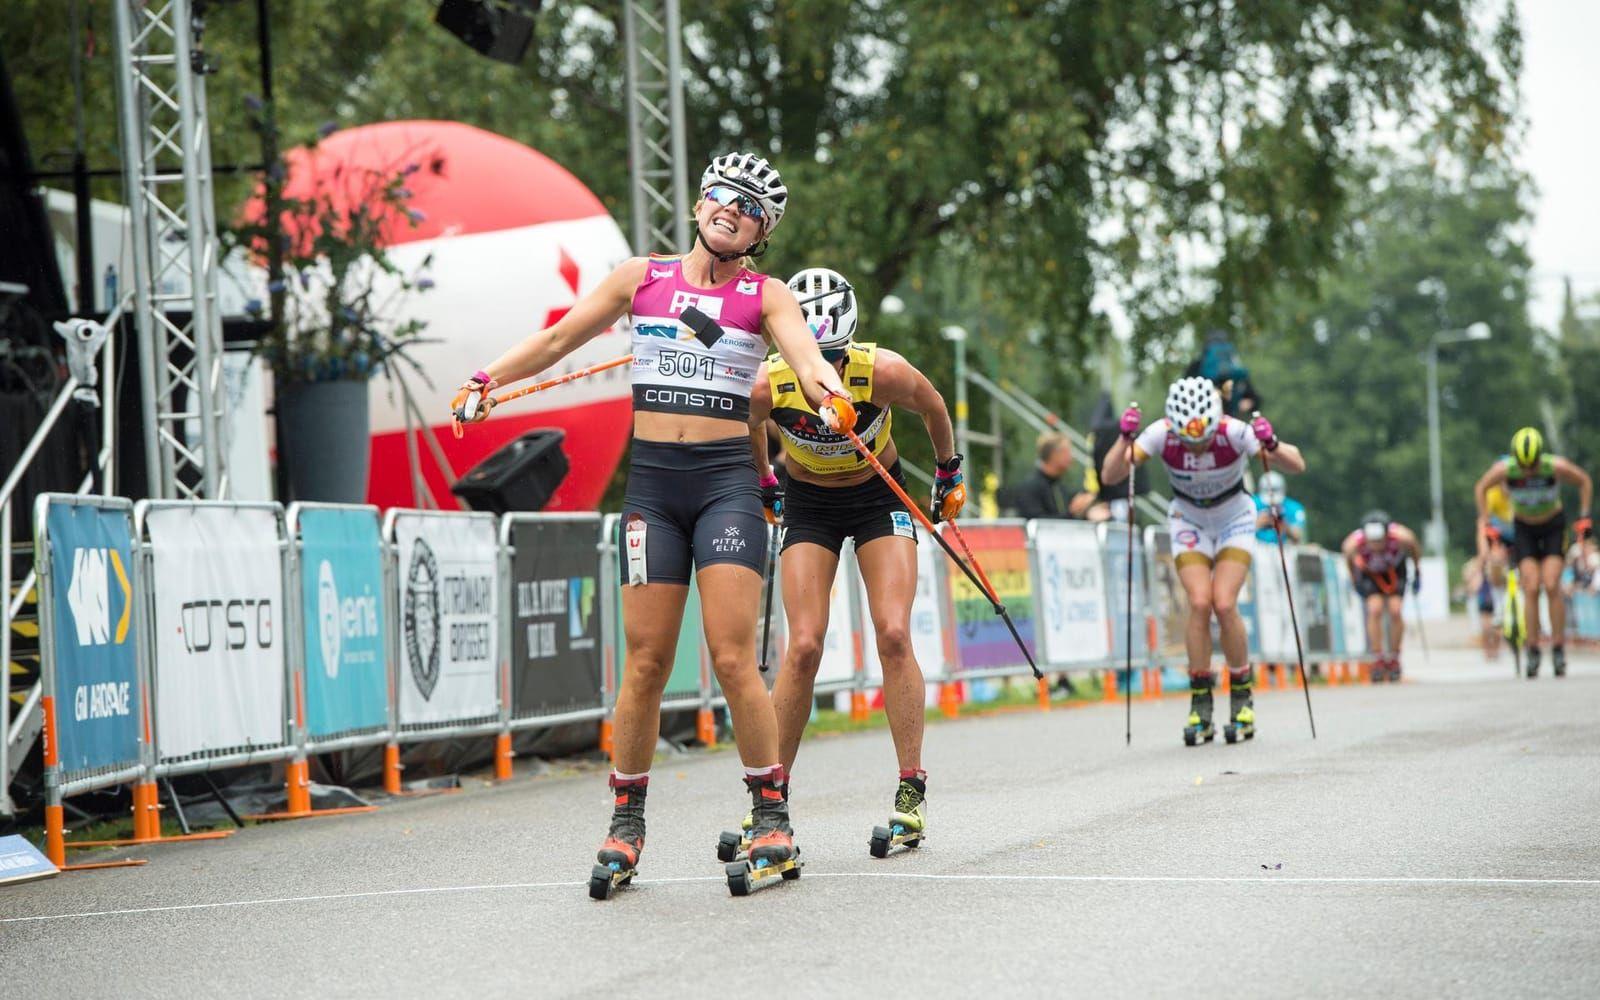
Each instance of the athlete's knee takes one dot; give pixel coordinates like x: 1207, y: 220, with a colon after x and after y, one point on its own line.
x: 1199, y: 603
x: 805, y: 653
x: 894, y: 642
x: 1225, y: 605
x: 647, y: 667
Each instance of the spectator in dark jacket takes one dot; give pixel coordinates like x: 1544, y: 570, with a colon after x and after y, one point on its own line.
x: 1046, y: 492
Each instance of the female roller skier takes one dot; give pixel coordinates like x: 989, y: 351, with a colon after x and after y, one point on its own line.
x: 834, y: 494
x: 1212, y: 519
x: 692, y: 499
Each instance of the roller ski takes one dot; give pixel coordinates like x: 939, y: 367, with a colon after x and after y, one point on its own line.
x: 1558, y: 660
x: 1241, y: 709
x: 908, y: 824
x: 1533, y: 662
x: 1199, y: 729
x: 618, y: 858
x: 736, y: 846
x: 772, y: 854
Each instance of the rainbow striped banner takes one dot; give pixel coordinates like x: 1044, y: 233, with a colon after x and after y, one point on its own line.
x: 982, y: 639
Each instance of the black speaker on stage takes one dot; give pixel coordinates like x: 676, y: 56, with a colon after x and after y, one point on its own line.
x: 521, y: 476
x: 500, y: 29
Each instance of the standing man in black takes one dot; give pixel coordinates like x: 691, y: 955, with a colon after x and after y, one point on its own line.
x: 1045, y: 492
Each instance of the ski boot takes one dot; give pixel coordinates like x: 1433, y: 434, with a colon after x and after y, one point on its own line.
x: 1394, y: 667
x: 734, y: 846
x: 1558, y: 660
x: 619, y: 856
x: 908, y: 824
x: 1199, y: 728
x: 772, y: 851
x: 1533, y: 662
x: 1241, y: 712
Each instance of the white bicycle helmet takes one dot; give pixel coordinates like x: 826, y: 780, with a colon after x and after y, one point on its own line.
x: 829, y: 304
x: 1194, y: 409
x: 1273, y: 489
x: 754, y: 176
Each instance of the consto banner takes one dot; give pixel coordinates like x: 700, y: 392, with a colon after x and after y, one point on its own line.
x: 219, y: 627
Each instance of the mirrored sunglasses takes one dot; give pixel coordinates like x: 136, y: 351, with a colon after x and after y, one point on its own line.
x: 726, y: 196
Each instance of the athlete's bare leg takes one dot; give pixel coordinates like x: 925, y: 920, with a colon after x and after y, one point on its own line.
x: 889, y: 569
x: 651, y: 616
x: 1226, y: 580
x: 808, y: 570
x: 1375, y: 623
x: 730, y: 603
x: 1528, y: 580
x: 1395, y: 604
x: 1196, y: 579
x: 1550, y: 574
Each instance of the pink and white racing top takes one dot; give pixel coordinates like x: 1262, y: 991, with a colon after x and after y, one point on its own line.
x: 675, y: 373
x: 1214, y: 472
x: 1382, y: 556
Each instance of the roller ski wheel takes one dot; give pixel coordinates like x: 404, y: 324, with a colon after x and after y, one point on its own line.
x: 732, y: 846
x: 605, y: 880
x: 1243, y: 724
x: 908, y: 823
x: 1195, y: 734
x: 747, y: 876
x: 886, y: 838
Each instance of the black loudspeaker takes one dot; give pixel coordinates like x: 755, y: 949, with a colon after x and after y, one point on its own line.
x: 495, y: 29
x: 521, y: 476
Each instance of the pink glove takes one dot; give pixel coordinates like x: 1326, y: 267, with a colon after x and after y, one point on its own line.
x: 1129, y: 424
x: 1263, y: 429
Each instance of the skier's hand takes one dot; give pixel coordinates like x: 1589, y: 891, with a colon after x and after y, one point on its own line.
x: 1416, y: 577
x: 772, y: 498
x: 1263, y: 431
x: 949, y: 493
x: 1129, y: 424
x: 472, y: 403
x: 838, y: 412
x: 1583, y: 527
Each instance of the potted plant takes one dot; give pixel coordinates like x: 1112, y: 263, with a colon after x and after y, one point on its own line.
x: 339, y: 306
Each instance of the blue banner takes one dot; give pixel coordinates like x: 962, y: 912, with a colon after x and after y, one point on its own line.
x: 341, y: 599
x: 1586, y: 614
x: 95, y: 642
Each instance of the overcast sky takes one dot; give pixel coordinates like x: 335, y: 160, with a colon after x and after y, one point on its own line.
x: 1561, y: 95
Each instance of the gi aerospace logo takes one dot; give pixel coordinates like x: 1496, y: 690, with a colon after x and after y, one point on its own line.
x: 422, y: 618
x: 337, y: 620
x: 89, y: 596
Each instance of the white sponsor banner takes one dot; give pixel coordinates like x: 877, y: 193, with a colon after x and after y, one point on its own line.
x: 447, y: 609
x: 1072, y: 593
x: 838, y: 646
x: 1272, y: 604
x: 219, y: 635
x: 927, y: 625
x: 1353, y: 611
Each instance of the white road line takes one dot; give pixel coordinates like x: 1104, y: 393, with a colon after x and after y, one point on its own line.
x: 921, y: 876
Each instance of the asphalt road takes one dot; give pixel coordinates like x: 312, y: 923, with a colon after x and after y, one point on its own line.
x: 1440, y: 838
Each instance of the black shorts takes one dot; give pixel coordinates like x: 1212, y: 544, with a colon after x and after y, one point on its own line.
x: 827, y: 515
x: 1387, y: 584
x: 1537, y: 541
x: 699, y: 504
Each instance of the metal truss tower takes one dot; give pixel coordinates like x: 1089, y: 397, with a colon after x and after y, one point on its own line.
x: 653, y: 36
x: 166, y: 156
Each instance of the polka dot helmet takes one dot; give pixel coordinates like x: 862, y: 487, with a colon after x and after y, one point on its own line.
x: 1194, y: 409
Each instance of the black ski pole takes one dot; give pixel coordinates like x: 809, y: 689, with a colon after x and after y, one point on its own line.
x: 772, y: 584
x: 1127, y: 732
x: 1294, y: 621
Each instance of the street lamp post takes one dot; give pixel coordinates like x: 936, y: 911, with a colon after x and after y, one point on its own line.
x: 1436, y: 528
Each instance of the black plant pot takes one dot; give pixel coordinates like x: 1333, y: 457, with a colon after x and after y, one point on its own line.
x: 326, y: 439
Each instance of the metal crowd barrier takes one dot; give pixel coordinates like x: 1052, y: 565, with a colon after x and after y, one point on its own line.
x: 181, y: 637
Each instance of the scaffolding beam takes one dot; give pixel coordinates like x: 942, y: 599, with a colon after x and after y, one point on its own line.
x: 166, y: 162
x: 657, y: 161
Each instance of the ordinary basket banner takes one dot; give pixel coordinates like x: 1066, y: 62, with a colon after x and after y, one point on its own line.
x: 927, y: 615
x: 1072, y: 593
x: 555, y: 609
x: 94, y: 635
x: 1114, y: 541
x: 1276, y: 635
x: 343, y: 607
x: 982, y: 639
x: 1352, y: 610
x: 446, y: 568
x: 1311, y: 599
x: 219, y: 627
